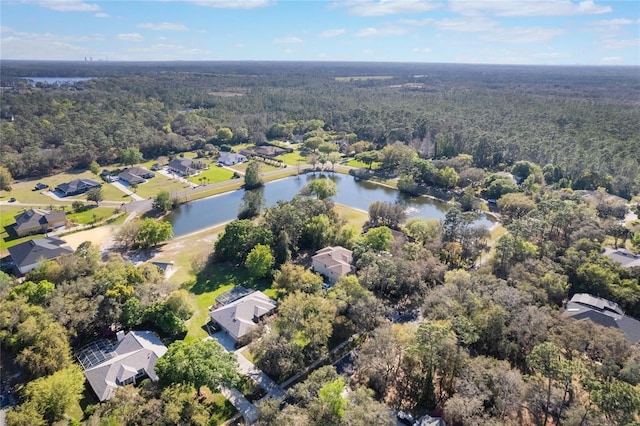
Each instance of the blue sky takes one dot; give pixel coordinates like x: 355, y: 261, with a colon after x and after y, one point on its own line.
x: 551, y: 32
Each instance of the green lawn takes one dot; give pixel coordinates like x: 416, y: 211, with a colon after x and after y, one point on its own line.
x: 263, y: 167
x: 159, y: 183
x: 209, y: 284
x: 221, y: 409
x: 93, y: 214
x: 362, y: 164
x: 293, y: 158
x: 214, y: 174
x: 353, y: 216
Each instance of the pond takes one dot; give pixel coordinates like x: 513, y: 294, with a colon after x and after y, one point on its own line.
x: 353, y: 193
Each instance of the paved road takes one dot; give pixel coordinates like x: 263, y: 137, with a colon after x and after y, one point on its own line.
x: 248, y: 410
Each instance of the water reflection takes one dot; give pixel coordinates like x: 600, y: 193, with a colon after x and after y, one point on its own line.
x: 353, y: 193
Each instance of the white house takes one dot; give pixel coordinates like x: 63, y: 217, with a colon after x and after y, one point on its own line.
x: 333, y: 262
x: 231, y: 158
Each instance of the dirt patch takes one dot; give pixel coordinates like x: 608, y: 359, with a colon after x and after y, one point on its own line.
x: 101, y: 237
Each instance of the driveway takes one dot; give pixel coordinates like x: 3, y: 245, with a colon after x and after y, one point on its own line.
x: 247, y: 368
x: 248, y: 410
x: 225, y: 340
x: 127, y: 191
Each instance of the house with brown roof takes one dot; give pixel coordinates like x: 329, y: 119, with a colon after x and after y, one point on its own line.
x: 333, y: 262
x: 240, y: 316
x: 37, y: 221
x: 269, y: 151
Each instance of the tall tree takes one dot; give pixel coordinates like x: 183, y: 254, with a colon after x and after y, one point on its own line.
x: 96, y: 195
x: 197, y: 363
x: 259, y: 261
x: 163, y: 201
x: 131, y: 156
x: 252, y: 177
x: 5, y: 179
x: 152, y: 232
x: 322, y: 188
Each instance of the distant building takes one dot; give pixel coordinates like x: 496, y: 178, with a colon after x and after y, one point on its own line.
x: 131, y: 359
x: 601, y: 311
x: 77, y: 186
x: 240, y: 316
x: 40, y: 186
x: 185, y: 166
x: 29, y: 254
x: 36, y: 221
x: 269, y: 151
x: 333, y: 262
x: 623, y: 257
x: 135, y: 175
x: 231, y: 158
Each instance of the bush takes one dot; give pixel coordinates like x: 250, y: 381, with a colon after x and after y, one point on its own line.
x: 78, y: 206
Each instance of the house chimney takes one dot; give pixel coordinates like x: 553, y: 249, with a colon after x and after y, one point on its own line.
x: 120, y: 335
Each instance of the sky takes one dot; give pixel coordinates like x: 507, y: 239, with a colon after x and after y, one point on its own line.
x: 546, y: 32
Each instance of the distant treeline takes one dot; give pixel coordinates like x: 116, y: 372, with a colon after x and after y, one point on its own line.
x: 585, y: 120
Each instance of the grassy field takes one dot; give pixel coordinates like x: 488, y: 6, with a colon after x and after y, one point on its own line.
x: 22, y: 191
x: 209, y: 284
x: 93, y: 214
x: 351, y: 215
x: 293, y: 158
x: 263, y: 167
x: 213, y: 174
x: 362, y: 164
x: 157, y: 184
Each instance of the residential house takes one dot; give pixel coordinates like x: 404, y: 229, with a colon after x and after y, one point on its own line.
x: 36, y: 221
x: 40, y: 186
x: 269, y: 151
x: 26, y: 256
x: 231, y: 158
x: 583, y: 306
x: 135, y: 175
x: 77, y: 186
x: 333, y: 262
x: 240, y: 316
x: 623, y: 257
x: 185, y: 166
x: 131, y: 359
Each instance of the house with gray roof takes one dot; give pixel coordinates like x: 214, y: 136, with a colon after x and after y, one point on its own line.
x: 77, y: 186
x: 131, y: 359
x: 583, y: 306
x: 623, y: 257
x: 240, y: 316
x: 333, y: 262
x: 37, y: 221
x: 186, y: 166
x: 135, y: 175
x: 26, y: 256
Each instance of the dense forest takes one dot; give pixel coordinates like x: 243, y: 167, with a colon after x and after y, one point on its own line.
x: 435, y: 317
x: 584, y: 120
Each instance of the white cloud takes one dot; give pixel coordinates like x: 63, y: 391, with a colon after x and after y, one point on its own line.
x: 517, y: 35
x: 386, y: 7
x: 376, y: 32
x: 611, y: 60
x: 67, y: 5
x: 421, y: 50
x: 528, y: 7
x: 233, y: 4
x: 288, y: 40
x: 621, y: 44
x: 333, y: 32
x: 130, y: 37
x: 416, y: 22
x: 618, y: 21
x: 163, y: 26
x: 5, y: 29
x: 239, y: 46
x: 102, y: 15
x: 289, y: 51
x: 467, y: 25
